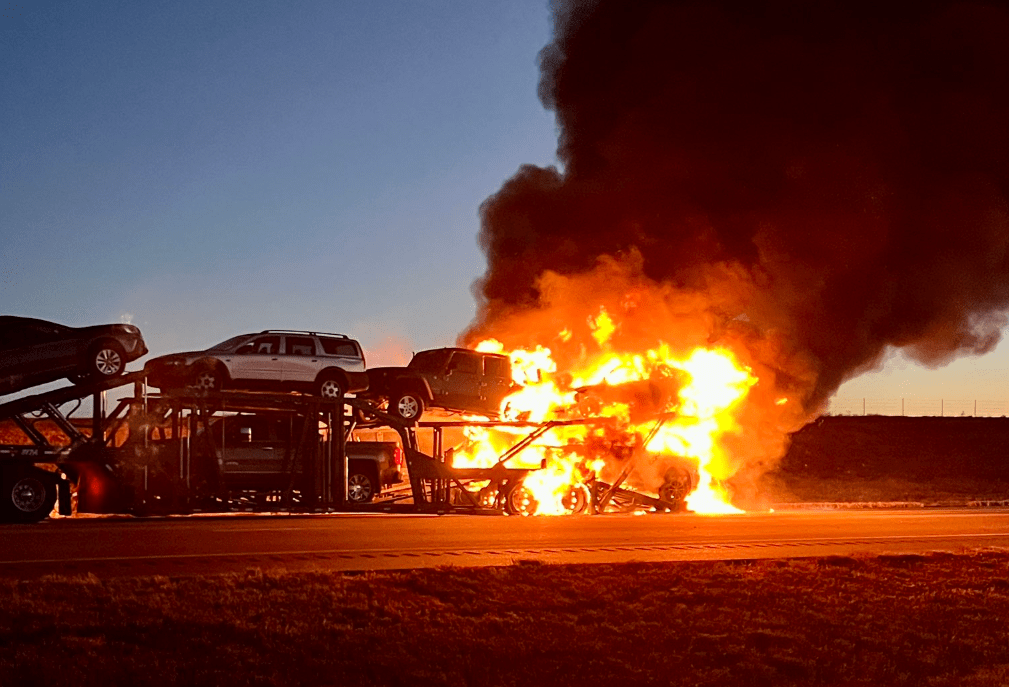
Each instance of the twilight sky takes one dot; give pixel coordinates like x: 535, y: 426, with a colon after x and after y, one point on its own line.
x: 207, y: 169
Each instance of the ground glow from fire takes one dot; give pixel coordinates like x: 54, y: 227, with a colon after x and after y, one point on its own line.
x: 662, y: 408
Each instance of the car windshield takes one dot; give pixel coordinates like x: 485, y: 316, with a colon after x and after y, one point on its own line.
x: 229, y: 344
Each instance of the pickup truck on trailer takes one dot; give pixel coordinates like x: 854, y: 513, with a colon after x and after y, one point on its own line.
x: 254, y: 456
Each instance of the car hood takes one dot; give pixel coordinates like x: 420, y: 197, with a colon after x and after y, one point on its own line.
x: 104, y: 328
x: 184, y: 357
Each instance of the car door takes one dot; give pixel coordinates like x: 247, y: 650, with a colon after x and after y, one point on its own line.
x: 462, y: 381
x: 258, y: 362
x: 497, y: 382
x: 36, y: 353
x: 301, y: 360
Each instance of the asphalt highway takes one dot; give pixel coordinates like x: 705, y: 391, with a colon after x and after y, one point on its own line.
x: 218, y: 544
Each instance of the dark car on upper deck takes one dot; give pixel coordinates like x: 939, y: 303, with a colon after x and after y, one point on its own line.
x: 457, y: 379
x: 34, y: 352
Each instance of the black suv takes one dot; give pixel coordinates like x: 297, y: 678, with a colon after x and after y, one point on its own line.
x: 450, y: 378
x: 34, y: 352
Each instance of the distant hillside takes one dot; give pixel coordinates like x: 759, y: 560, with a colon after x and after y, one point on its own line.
x: 883, y: 458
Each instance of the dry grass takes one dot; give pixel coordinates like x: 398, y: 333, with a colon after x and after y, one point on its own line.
x: 905, y: 620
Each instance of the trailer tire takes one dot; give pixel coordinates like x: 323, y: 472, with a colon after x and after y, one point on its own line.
x: 518, y: 500
x: 28, y: 496
x: 106, y: 360
x: 576, y: 500
x: 361, y: 486
x: 407, y: 405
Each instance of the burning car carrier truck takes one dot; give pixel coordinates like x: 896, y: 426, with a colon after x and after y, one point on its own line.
x: 224, y: 450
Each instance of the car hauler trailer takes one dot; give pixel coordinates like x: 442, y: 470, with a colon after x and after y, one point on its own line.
x: 174, y: 453
x: 184, y: 453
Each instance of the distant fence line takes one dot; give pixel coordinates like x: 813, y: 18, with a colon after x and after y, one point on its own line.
x: 916, y: 407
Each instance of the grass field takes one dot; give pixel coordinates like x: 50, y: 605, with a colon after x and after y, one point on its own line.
x: 904, y: 620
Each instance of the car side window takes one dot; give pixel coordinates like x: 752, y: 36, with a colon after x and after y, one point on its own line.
x: 263, y: 345
x: 496, y: 367
x: 466, y: 363
x: 342, y: 347
x: 299, y: 345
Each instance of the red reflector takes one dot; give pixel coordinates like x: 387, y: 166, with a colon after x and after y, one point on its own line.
x: 397, y: 456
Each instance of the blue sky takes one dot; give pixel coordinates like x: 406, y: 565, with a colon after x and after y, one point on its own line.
x: 210, y: 168
x: 206, y: 169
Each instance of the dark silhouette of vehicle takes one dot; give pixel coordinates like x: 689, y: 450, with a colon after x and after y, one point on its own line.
x: 34, y: 352
x: 274, y: 360
x: 451, y: 378
x: 254, y: 454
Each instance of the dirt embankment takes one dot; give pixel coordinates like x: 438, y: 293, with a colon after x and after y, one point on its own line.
x: 931, y: 460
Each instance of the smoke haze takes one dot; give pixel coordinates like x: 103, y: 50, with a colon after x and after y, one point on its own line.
x: 811, y: 182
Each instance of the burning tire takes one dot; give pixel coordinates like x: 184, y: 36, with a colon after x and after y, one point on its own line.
x: 576, y: 501
x: 676, y: 486
x: 519, y: 500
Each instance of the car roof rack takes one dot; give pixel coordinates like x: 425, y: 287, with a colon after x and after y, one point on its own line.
x: 297, y: 331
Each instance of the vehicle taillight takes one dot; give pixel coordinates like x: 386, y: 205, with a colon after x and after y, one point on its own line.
x: 397, y: 456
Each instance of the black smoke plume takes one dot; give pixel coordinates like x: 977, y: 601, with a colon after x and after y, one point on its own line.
x: 850, y: 159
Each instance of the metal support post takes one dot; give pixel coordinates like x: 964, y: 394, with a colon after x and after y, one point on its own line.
x: 341, y: 449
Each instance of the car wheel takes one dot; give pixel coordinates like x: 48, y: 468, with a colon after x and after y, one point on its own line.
x: 207, y: 378
x: 30, y: 496
x: 107, y: 360
x: 407, y: 405
x: 329, y: 387
x: 676, y: 486
x: 360, y: 487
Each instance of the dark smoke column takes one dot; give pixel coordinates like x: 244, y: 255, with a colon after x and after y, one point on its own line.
x: 851, y: 159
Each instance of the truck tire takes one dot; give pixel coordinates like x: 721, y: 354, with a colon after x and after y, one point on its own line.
x: 408, y: 405
x: 518, y: 500
x: 28, y: 496
x: 361, y: 486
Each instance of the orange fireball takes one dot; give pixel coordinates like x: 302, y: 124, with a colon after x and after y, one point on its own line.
x: 666, y: 409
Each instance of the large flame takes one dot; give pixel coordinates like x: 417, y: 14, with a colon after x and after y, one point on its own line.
x: 663, y: 407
